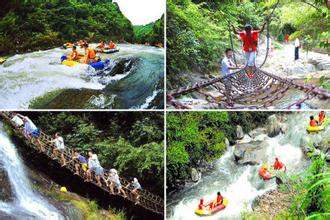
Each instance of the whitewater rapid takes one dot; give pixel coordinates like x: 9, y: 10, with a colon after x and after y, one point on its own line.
x: 27, y: 204
x: 241, y: 184
x: 25, y: 77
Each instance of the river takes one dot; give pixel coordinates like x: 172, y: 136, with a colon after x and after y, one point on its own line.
x: 39, y: 80
x: 28, y: 204
x: 241, y: 184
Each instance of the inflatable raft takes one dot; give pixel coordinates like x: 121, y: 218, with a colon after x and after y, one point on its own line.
x: 317, y: 129
x: 68, y: 45
x: 265, y: 176
x: 109, y: 50
x: 97, y: 65
x: 2, y: 60
x: 206, y: 211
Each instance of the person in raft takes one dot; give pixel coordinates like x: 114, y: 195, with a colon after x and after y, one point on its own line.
x: 74, y: 55
x: 112, y: 45
x: 249, y: 38
x: 218, y: 201
x: 278, y: 165
x: 81, y: 163
x: 136, y: 188
x: 101, y: 46
x: 59, y: 147
x: 90, y: 54
x: 312, y: 122
x: 264, y: 172
x: 321, y: 117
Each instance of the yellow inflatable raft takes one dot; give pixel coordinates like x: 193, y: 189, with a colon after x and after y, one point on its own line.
x: 206, y: 211
x: 317, y: 129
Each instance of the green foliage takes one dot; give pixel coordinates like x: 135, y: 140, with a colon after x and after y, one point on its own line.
x: 152, y: 33
x: 311, y: 190
x: 42, y: 24
x: 131, y: 142
x: 194, y: 138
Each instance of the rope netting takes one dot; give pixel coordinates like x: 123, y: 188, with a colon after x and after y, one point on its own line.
x: 146, y: 200
x: 237, y: 90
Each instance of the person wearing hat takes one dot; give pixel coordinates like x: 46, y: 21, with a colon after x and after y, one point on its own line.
x: 114, y: 180
x: 249, y: 38
x: 136, y: 188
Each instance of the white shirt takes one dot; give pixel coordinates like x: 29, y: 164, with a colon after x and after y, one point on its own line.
x: 17, y: 120
x: 96, y: 160
x: 29, y: 125
x: 297, y: 43
x: 59, y: 142
x: 225, y: 64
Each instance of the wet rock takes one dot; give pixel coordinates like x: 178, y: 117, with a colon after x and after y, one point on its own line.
x: 273, y: 126
x: 250, y: 153
x: 6, y: 194
x: 256, y: 132
x: 227, y: 143
x: 119, y: 66
x: 195, y: 175
x: 239, y: 132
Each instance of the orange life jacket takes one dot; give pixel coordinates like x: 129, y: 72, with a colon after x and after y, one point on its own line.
x: 219, y: 200
x: 91, y: 54
x: 112, y: 45
x: 313, y: 123
x: 74, y: 55
x: 321, y: 117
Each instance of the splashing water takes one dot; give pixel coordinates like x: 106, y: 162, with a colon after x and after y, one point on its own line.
x: 27, y: 203
x: 241, y: 184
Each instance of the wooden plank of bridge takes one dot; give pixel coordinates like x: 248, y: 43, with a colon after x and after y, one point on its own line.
x: 147, y: 200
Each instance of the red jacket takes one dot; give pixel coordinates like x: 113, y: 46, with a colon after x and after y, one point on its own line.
x: 250, y: 43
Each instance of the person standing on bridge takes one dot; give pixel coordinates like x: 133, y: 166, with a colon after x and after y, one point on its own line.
x: 81, y: 163
x: 17, y: 120
x: 94, y: 166
x: 59, y: 147
x: 30, y: 130
x: 136, y: 188
x: 114, y: 180
x: 249, y: 38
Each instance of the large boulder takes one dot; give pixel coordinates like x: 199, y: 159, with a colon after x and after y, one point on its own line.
x: 273, y: 126
x: 195, y: 175
x: 256, y: 132
x: 119, y: 66
x: 239, y: 132
x: 6, y: 194
x: 250, y: 153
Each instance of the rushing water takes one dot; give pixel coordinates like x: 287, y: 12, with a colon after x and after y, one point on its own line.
x: 27, y: 202
x: 241, y: 184
x: 25, y: 77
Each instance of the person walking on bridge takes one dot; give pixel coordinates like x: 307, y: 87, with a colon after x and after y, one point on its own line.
x: 296, y: 49
x: 59, y: 147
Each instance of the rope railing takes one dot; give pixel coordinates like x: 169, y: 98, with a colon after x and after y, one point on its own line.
x: 146, y: 199
x: 259, y: 92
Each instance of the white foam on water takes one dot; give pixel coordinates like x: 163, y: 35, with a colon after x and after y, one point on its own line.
x: 26, y: 200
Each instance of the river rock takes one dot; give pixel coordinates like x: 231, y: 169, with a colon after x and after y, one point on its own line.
x: 239, y: 132
x: 273, y: 126
x: 195, y: 175
x: 227, y: 143
x: 250, y: 153
x: 256, y: 132
x: 119, y: 66
x: 6, y: 194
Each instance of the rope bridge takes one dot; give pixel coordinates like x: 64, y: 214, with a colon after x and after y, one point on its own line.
x: 258, y: 92
x: 147, y: 200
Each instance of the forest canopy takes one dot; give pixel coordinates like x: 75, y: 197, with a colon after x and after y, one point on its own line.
x: 131, y: 142
x: 195, y: 138
x: 33, y: 25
